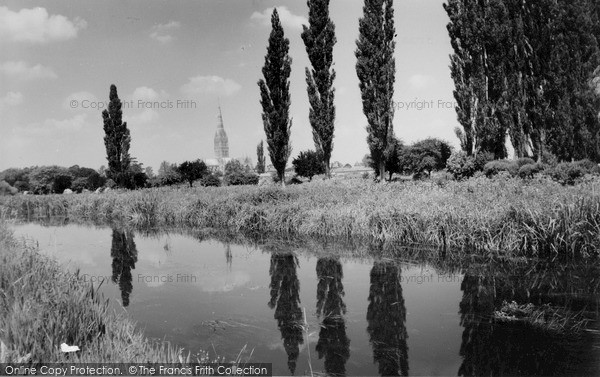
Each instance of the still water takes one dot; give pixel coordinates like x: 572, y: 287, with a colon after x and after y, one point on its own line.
x: 347, y: 313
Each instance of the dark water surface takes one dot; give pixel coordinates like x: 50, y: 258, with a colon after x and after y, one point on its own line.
x: 365, y: 315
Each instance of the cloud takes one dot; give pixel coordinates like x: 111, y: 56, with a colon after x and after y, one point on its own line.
x: 420, y: 81
x: 287, y: 18
x: 80, y: 100
x: 162, y: 32
x: 213, y: 85
x: 11, y: 99
x: 21, y: 71
x: 37, y: 26
x: 75, y: 123
x: 144, y: 93
x: 145, y: 117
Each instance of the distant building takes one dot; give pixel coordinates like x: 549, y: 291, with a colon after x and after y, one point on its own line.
x: 221, y: 146
x: 221, y: 141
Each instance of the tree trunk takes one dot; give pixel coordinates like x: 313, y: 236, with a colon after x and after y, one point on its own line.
x: 382, y: 171
x: 327, y: 169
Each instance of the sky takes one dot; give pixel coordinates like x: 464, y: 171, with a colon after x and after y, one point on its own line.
x: 174, y: 62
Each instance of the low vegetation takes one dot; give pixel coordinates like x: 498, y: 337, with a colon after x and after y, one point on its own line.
x: 42, y: 306
x: 503, y: 215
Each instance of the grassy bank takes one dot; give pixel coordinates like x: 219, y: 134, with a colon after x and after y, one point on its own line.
x: 42, y: 306
x: 498, y: 216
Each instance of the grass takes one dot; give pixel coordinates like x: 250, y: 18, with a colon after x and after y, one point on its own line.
x: 42, y: 306
x: 500, y: 216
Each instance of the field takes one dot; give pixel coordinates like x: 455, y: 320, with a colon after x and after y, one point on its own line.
x: 501, y: 216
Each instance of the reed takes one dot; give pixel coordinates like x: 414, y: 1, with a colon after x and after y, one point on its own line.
x: 501, y: 216
x: 42, y: 306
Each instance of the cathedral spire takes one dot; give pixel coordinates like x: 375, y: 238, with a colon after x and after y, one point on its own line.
x: 221, y: 140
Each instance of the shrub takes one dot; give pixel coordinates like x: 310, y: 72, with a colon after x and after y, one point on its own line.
x: 528, y: 170
x: 236, y: 174
x: 308, y: 164
x: 210, y: 180
x: 525, y: 161
x: 460, y: 165
x: 6, y: 189
x: 568, y: 173
x: 482, y: 158
x: 494, y: 167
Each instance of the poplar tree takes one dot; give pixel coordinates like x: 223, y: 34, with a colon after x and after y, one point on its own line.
x: 275, y: 97
x: 260, y: 158
x: 116, y: 140
x: 376, y: 70
x: 319, y: 39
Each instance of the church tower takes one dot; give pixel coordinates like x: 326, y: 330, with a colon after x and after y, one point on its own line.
x: 221, y: 141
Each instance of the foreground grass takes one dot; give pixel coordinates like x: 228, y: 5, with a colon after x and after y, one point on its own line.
x: 500, y: 216
x: 42, y: 306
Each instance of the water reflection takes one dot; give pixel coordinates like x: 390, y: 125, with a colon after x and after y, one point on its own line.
x: 333, y: 343
x: 124, y: 256
x: 386, y: 317
x: 492, y: 347
x: 285, y: 299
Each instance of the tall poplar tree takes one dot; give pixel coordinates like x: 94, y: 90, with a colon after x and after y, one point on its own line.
x: 376, y: 71
x: 260, y: 158
x: 116, y: 140
x: 319, y: 39
x: 275, y: 97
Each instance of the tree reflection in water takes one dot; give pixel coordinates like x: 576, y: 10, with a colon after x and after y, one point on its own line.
x: 491, y: 347
x: 386, y: 316
x: 124, y: 256
x: 333, y: 343
x: 285, y: 299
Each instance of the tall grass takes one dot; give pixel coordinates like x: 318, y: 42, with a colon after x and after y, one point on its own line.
x: 42, y: 306
x: 498, y: 216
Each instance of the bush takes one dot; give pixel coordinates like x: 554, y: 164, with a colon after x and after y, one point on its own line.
x: 210, y: 180
x: 482, y: 158
x: 237, y: 174
x: 308, y: 164
x: 525, y: 161
x: 460, y: 165
x: 6, y: 189
x: 528, y: 170
x: 494, y: 167
x: 568, y: 173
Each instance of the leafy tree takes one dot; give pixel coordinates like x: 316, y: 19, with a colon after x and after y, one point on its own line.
x: 376, y: 70
x: 319, y: 39
x: 192, y: 170
x: 117, y: 140
x: 210, y: 180
x: 61, y: 183
x: 41, y: 179
x: 168, y: 174
x: 275, y: 97
x: 308, y: 164
x: 238, y: 174
x: 426, y: 155
x: 260, y: 158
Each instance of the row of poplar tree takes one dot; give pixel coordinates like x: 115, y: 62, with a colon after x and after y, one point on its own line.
x: 523, y: 70
x: 529, y: 70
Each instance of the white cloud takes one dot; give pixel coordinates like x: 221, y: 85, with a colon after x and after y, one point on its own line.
x: 80, y: 100
x: 419, y: 81
x: 37, y: 26
x: 75, y: 123
x: 145, y: 117
x: 163, y: 32
x: 21, y: 71
x: 214, y: 85
x: 144, y: 93
x: 11, y: 99
x: 287, y: 18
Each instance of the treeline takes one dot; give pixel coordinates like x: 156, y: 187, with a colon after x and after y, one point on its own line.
x: 50, y: 179
x: 527, y: 71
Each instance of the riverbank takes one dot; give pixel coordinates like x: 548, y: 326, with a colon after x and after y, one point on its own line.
x: 501, y: 216
x: 42, y: 306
